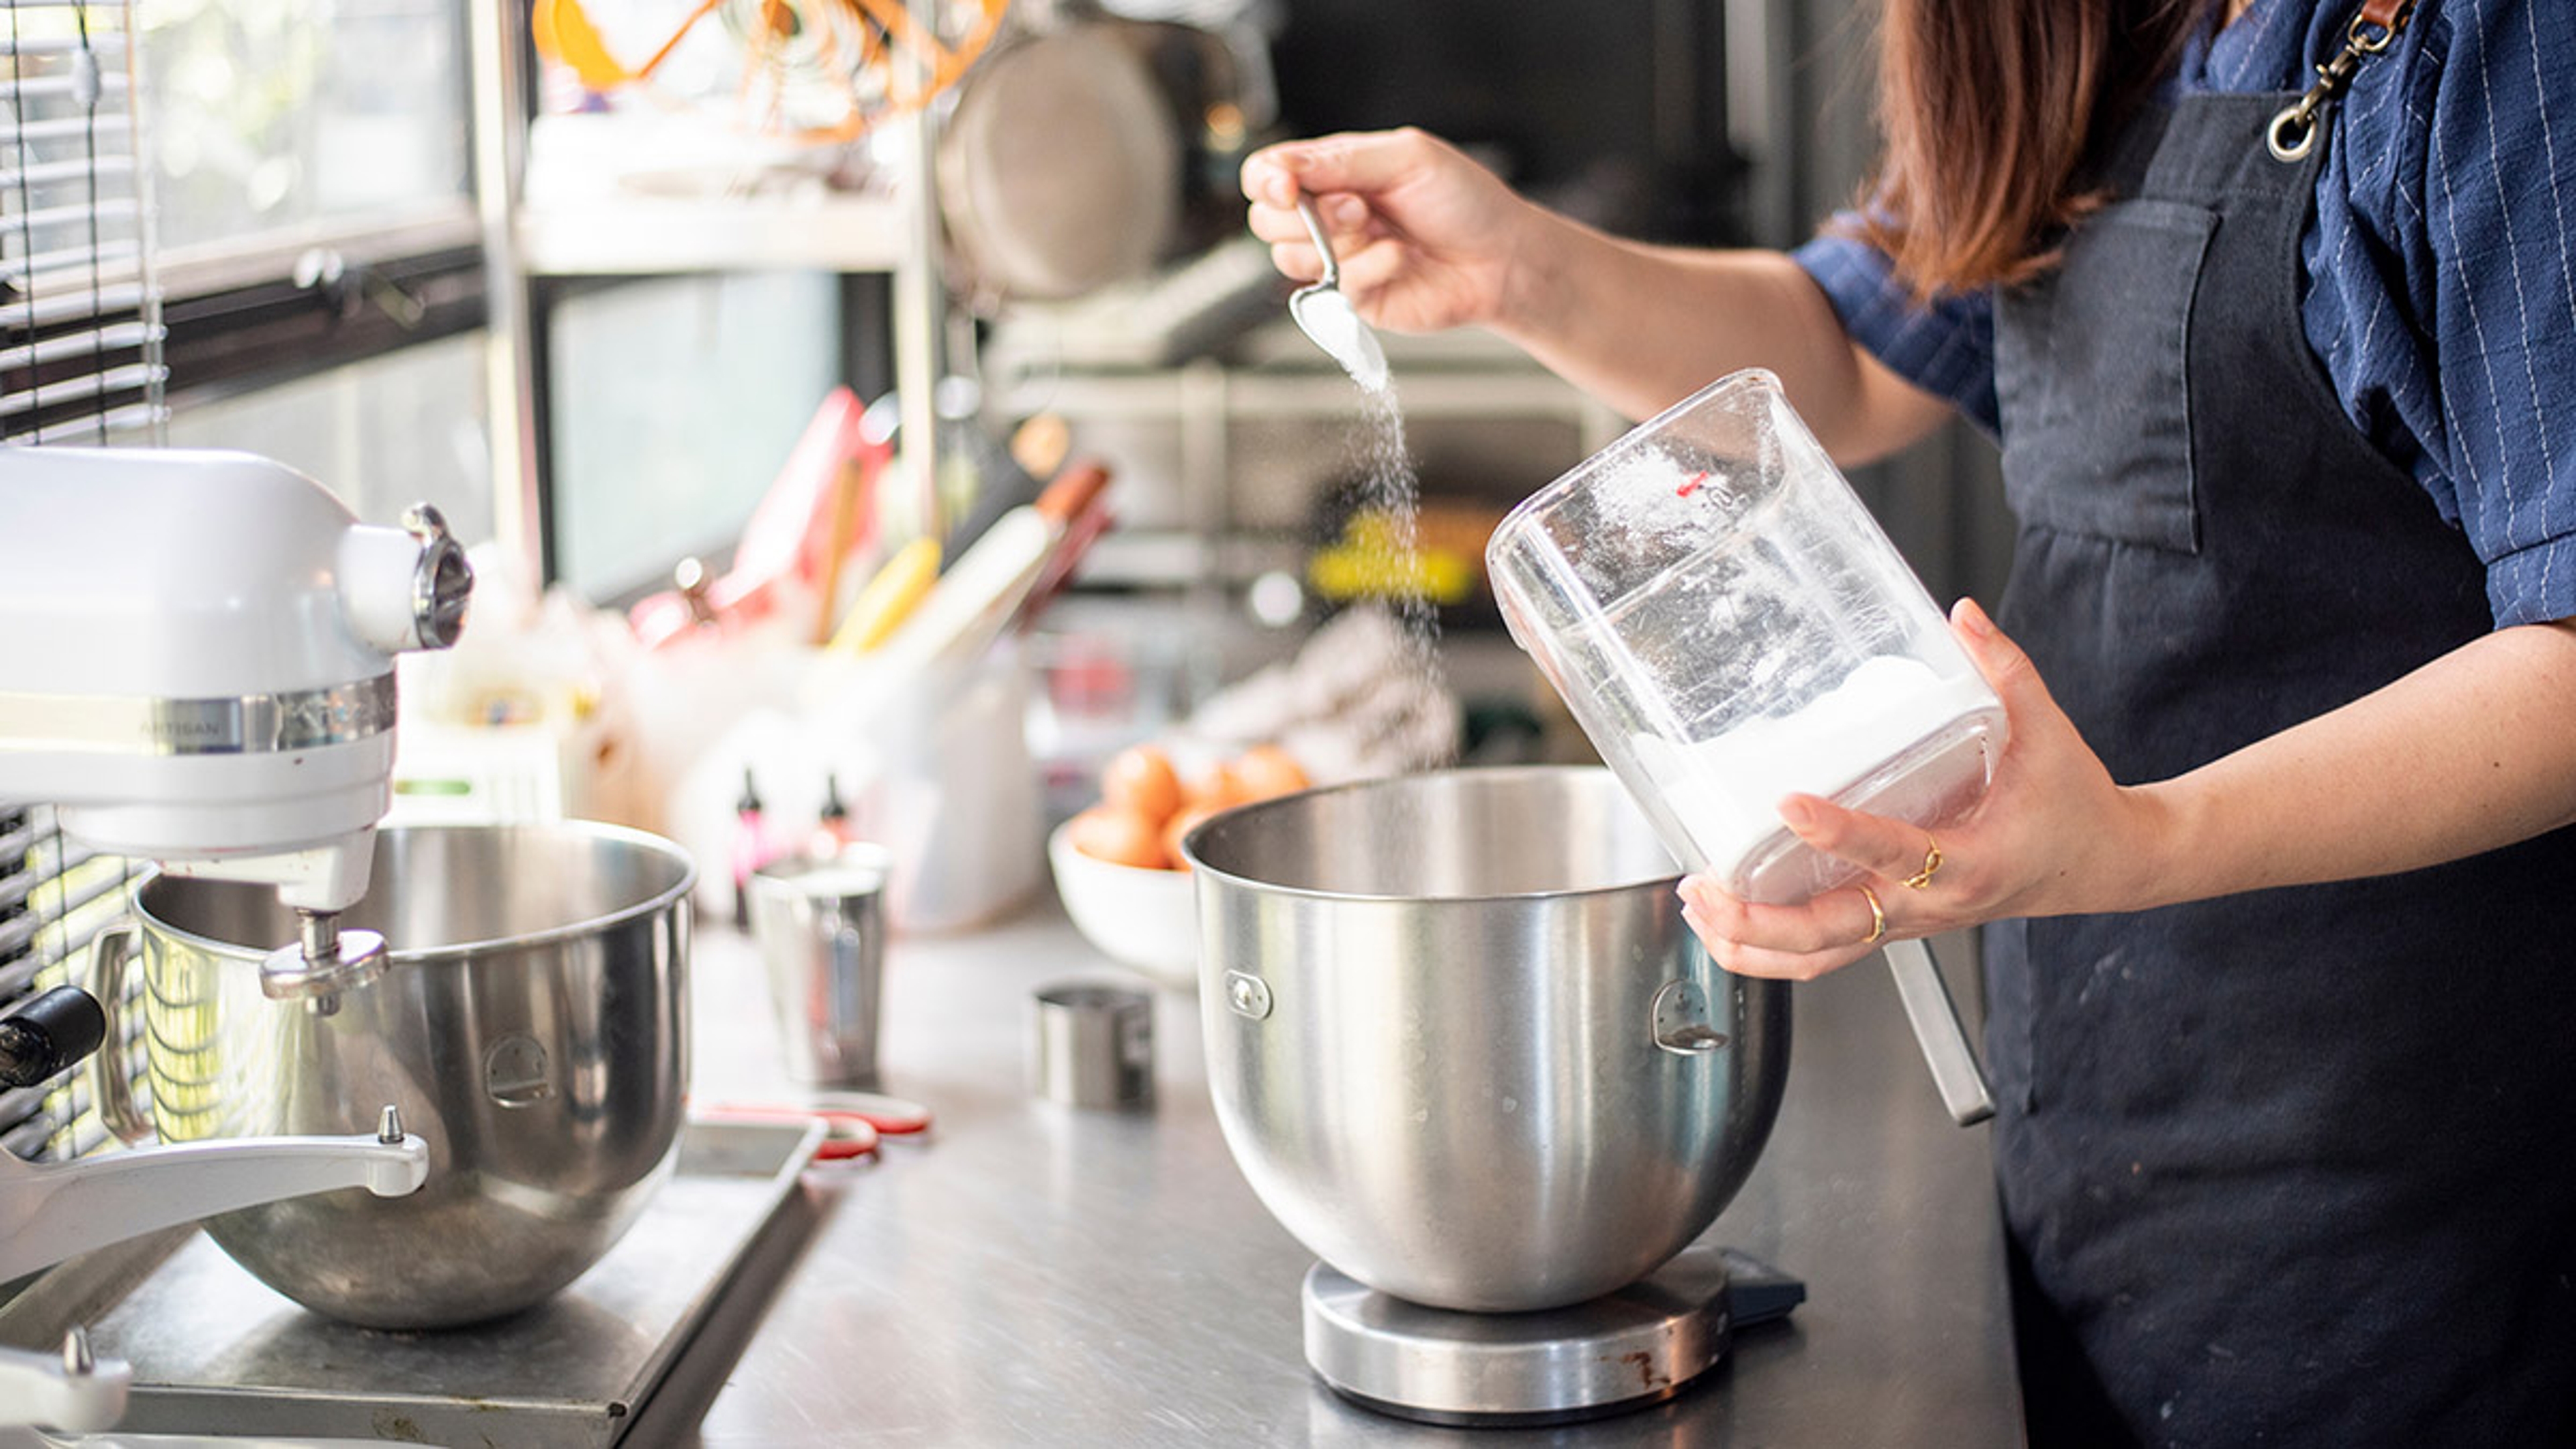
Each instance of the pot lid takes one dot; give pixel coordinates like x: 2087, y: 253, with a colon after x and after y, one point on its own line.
x: 1060, y: 167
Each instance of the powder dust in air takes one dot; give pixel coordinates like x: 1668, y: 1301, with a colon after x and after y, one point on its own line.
x: 1389, y: 490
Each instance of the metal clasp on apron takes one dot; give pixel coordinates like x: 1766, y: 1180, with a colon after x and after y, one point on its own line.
x: 2293, y: 133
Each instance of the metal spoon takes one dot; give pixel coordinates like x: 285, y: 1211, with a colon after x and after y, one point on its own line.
x: 1326, y: 316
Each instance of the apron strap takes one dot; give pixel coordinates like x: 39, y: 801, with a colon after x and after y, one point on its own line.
x: 2374, y: 27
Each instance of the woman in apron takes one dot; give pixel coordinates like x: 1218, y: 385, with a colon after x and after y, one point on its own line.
x: 2275, y: 873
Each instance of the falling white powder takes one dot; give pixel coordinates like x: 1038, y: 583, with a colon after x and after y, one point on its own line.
x: 1389, y: 488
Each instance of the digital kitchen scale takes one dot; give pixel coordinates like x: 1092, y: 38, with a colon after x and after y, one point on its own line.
x: 1625, y: 1350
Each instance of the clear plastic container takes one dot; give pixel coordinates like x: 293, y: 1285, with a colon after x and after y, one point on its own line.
x: 1729, y: 625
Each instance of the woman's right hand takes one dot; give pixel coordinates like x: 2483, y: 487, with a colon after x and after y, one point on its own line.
x: 1426, y: 238
x: 1429, y: 240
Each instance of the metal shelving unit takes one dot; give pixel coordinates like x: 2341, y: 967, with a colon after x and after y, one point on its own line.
x: 1206, y: 407
x: 577, y: 221
x: 627, y: 236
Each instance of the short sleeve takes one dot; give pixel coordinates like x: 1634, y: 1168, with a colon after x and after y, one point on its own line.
x: 1946, y: 348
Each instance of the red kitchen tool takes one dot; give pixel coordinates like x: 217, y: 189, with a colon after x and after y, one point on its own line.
x: 814, y: 515
x: 854, y: 1122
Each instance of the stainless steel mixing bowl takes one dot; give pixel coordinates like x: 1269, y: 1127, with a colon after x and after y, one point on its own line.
x: 1461, y: 1042
x: 531, y: 1026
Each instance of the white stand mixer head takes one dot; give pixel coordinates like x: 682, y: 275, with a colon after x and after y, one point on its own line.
x: 201, y: 674
x: 202, y: 669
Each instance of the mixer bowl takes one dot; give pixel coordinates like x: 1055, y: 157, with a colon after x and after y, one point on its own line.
x: 531, y: 1026
x: 1461, y: 1042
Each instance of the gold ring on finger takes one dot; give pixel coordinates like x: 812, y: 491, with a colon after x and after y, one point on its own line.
x: 1931, y: 863
x: 1877, y: 918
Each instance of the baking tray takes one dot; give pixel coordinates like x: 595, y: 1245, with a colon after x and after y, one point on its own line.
x: 215, y: 1351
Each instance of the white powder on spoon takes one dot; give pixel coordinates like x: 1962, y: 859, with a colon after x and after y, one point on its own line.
x: 1328, y: 319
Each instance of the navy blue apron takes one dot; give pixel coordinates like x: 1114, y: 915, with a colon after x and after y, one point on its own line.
x: 2296, y: 1166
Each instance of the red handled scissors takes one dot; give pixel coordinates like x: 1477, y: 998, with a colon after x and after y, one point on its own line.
x: 854, y: 1122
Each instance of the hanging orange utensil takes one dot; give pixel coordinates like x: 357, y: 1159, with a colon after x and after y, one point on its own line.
x: 705, y: 7
x: 890, y: 64
x: 563, y: 32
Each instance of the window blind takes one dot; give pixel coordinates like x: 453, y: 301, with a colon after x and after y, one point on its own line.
x: 80, y: 364
x: 82, y: 361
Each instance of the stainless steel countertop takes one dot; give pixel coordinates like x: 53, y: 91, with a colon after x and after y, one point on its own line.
x: 1035, y: 1274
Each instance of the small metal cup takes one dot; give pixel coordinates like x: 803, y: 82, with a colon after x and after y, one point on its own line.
x: 1095, y: 1045
x: 820, y: 921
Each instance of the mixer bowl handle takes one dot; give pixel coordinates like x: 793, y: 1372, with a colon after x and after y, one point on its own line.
x: 109, y: 1086
x: 1682, y: 1023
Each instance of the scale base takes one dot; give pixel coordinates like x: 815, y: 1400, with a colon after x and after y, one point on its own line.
x: 1623, y: 1351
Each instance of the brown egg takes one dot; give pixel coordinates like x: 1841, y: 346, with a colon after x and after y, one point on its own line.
x: 1121, y: 837
x: 1267, y: 771
x: 1217, y: 789
x: 1182, y: 824
x: 1140, y: 779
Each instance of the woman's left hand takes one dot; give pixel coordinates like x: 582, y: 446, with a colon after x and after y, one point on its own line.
x: 2053, y: 834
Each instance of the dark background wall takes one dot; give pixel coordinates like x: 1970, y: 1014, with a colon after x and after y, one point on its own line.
x: 1613, y: 109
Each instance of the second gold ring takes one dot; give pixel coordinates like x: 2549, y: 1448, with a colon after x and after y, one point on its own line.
x: 1931, y: 863
x: 1877, y: 918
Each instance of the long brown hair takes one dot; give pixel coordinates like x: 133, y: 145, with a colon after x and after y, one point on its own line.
x: 1989, y: 106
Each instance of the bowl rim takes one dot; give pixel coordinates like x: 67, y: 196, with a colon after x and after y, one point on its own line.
x: 677, y: 893
x: 1060, y: 844
x: 1205, y: 870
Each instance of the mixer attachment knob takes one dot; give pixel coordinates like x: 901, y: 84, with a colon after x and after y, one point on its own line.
x: 326, y: 962
x: 443, y: 583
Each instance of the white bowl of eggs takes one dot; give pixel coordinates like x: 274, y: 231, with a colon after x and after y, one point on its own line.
x: 1118, y: 865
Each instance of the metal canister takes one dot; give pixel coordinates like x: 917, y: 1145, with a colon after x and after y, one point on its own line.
x: 821, y: 926
x: 1095, y: 1045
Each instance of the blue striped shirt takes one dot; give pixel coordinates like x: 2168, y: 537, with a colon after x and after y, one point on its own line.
x: 2440, y: 285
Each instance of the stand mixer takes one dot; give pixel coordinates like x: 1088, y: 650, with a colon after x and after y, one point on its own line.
x: 201, y: 674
